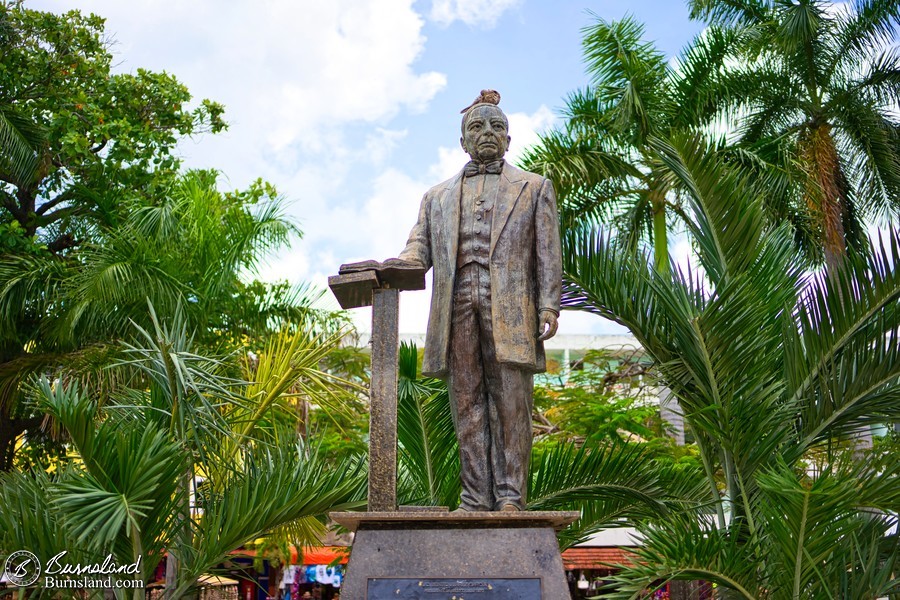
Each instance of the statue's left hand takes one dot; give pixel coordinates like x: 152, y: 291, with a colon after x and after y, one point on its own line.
x: 547, y: 325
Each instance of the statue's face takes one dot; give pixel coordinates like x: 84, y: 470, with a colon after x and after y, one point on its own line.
x: 485, y: 133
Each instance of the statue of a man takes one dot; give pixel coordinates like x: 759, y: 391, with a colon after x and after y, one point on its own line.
x: 491, y: 234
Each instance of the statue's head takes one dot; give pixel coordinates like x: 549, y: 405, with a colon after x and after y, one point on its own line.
x: 485, y: 132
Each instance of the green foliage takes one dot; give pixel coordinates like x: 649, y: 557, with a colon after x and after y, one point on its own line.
x: 73, y: 132
x: 601, y: 162
x: 188, y: 252
x: 770, y: 366
x: 815, y: 543
x: 810, y: 92
x: 124, y: 494
x: 96, y: 219
x: 603, y: 397
x: 345, y: 433
x: 617, y: 485
x: 187, y: 460
x: 429, y: 452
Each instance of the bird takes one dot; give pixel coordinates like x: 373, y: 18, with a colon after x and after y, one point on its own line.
x: 485, y: 97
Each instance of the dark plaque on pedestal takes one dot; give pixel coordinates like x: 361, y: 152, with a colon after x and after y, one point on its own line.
x: 454, y: 589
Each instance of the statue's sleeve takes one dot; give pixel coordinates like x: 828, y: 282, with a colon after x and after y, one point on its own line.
x: 548, y: 250
x: 418, y: 246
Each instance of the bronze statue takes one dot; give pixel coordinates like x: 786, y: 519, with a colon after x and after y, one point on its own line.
x: 491, y: 234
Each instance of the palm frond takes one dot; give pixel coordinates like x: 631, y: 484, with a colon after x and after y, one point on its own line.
x: 843, y: 363
x: 577, y: 165
x: 687, y: 548
x: 125, y: 492
x: 870, y: 143
x: 627, y: 72
x: 29, y: 286
x: 188, y: 392
x: 696, y: 77
x: 612, y: 486
x: 604, y: 277
x: 869, y: 25
x: 728, y: 224
x: 428, y: 448
x: 29, y: 518
x: 729, y: 12
x: 289, y: 368
x: 806, y: 523
x: 21, y: 144
x: 274, y: 487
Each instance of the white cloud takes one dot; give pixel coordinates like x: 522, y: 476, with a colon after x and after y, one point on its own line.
x: 291, y: 75
x: 524, y: 130
x: 297, y: 81
x: 379, y: 144
x: 449, y: 163
x: 471, y: 12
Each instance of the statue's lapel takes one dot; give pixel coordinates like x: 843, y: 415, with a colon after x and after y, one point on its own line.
x: 450, y: 208
x: 511, y: 186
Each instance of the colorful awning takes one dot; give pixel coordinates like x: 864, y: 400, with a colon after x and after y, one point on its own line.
x: 595, y: 557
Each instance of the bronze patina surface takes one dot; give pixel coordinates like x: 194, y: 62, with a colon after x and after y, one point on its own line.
x: 490, y: 235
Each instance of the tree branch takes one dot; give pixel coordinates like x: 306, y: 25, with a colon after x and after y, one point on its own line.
x: 10, y: 204
x: 66, y: 195
x: 58, y: 214
x: 26, y: 201
x: 62, y: 242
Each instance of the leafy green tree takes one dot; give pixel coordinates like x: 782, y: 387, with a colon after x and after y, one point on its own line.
x: 187, y: 251
x: 78, y: 145
x: 601, y: 162
x: 97, y: 220
x: 602, y: 396
x: 76, y: 141
x: 811, y: 89
x: 772, y: 367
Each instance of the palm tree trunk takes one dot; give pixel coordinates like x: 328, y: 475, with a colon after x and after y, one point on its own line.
x: 660, y: 233
x: 826, y: 192
x: 183, y: 534
x: 684, y: 590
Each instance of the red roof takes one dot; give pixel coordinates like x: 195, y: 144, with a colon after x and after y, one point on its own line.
x: 312, y: 555
x: 595, y: 557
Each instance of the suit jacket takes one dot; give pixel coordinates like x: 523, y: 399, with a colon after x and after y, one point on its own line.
x: 525, y: 265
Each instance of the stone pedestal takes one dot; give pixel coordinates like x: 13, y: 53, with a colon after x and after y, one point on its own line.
x: 455, y: 556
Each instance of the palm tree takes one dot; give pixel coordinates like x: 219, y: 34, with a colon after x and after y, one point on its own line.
x: 122, y: 496
x: 811, y: 89
x: 131, y: 486
x: 188, y: 249
x: 773, y: 368
x: 220, y: 419
x: 601, y: 162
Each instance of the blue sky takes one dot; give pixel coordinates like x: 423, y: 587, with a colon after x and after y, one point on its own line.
x: 351, y: 107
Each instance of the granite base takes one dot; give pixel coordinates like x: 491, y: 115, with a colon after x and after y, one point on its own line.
x: 406, y: 555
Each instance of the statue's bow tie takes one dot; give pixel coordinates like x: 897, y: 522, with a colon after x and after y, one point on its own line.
x: 473, y: 168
